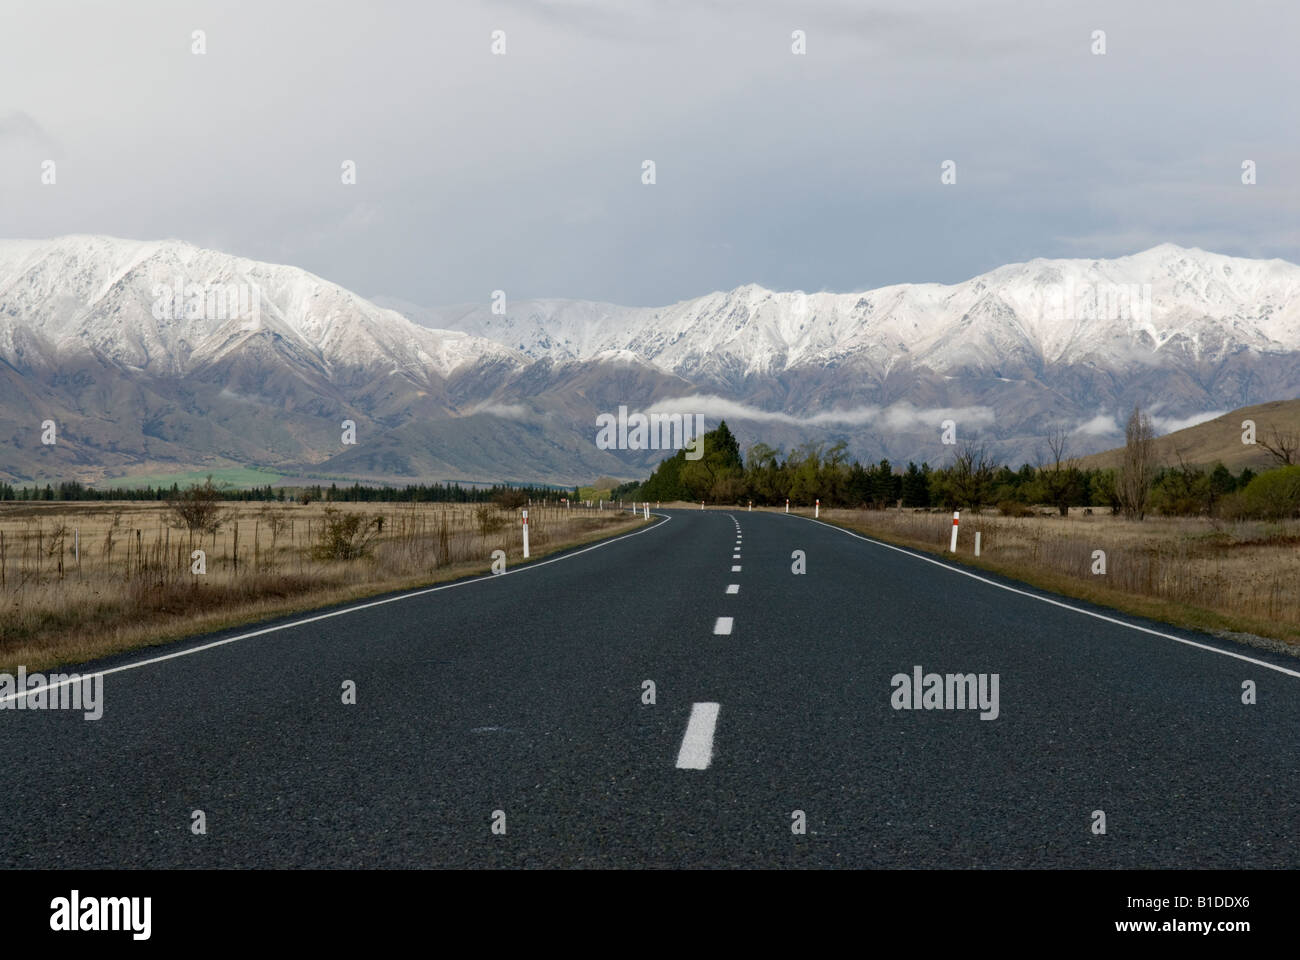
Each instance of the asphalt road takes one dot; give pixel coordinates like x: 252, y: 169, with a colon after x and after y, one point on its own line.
x: 523, y: 693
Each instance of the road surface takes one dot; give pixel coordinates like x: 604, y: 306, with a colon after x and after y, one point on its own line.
x: 501, y: 722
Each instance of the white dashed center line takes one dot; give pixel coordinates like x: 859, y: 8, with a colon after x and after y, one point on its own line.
x: 697, y: 745
x: 723, y: 626
x: 734, y: 568
x: 733, y: 588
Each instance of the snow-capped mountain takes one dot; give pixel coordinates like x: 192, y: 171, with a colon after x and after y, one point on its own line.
x: 1167, y: 303
x: 170, y: 308
x: 159, y: 355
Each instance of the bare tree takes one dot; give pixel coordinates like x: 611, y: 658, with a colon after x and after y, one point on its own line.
x: 971, y: 475
x: 1058, y: 472
x: 1137, y: 470
x: 1283, y: 446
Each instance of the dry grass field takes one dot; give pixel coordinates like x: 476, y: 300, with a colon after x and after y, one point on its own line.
x: 82, y: 580
x: 1200, y: 573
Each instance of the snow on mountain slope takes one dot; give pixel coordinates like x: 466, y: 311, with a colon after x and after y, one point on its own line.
x: 105, y: 295
x: 99, y: 294
x: 89, y: 337
x: 1165, y: 303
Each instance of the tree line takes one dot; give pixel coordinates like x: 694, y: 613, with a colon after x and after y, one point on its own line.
x: 411, y: 493
x: 973, y: 480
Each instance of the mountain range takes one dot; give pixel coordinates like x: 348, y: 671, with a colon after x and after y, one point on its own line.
x: 159, y: 355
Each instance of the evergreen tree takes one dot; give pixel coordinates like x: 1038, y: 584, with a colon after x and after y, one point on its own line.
x: 860, y: 485
x: 915, y: 487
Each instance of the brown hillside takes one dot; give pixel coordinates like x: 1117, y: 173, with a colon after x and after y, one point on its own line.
x: 1219, y: 439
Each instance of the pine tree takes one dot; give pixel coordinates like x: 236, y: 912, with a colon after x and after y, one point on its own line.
x: 915, y: 486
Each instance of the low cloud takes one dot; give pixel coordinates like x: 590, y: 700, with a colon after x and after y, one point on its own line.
x: 1173, y: 424
x: 898, y: 416
x: 510, y: 411
x: 1104, y: 424
x: 1099, y: 426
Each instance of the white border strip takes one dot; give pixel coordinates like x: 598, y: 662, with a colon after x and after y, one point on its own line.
x: 1055, y: 603
x: 334, y: 613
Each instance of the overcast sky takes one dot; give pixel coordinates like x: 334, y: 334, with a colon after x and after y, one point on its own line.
x: 523, y: 172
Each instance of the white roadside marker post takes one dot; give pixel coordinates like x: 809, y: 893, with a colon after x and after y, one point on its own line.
x: 787, y: 504
x: 956, y: 517
x: 751, y: 506
x: 701, y: 504
x: 647, y: 511
x: 977, y: 543
x: 525, y: 534
x: 817, y: 510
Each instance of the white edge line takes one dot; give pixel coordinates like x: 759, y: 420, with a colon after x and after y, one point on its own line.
x: 325, y: 616
x: 1055, y: 603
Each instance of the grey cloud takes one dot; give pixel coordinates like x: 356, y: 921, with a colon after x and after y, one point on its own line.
x: 523, y: 172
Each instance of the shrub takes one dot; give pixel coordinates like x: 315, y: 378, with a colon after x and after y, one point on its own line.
x: 1014, y: 508
x: 511, y: 499
x: 197, y: 509
x: 344, y: 536
x: 1273, y: 495
x: 489, y: 519
x: 1182, y: 491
